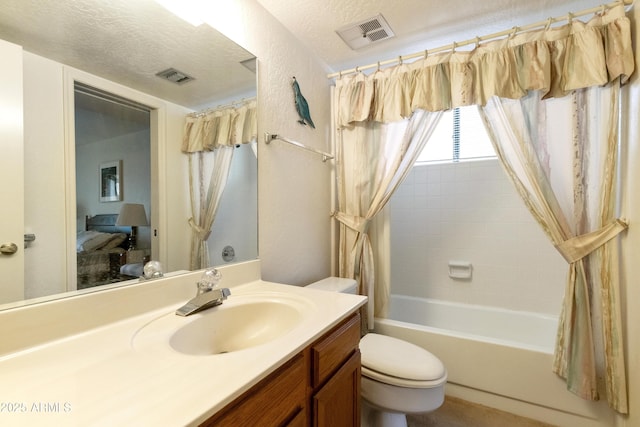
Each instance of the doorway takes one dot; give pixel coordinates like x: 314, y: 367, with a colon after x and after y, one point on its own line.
x: 112, y: 133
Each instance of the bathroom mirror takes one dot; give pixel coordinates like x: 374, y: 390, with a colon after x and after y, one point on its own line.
x: 127, y: 43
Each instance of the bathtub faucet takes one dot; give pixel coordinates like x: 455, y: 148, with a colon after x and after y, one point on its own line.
x: 207, y: 295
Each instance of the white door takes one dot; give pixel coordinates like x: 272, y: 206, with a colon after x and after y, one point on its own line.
x: 11, y: 175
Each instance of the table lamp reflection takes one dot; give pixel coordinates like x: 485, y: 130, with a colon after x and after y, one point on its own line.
x: 133, y: 215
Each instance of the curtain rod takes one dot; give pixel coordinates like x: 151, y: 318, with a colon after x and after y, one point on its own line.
x: 268, y: 137
x: 477, y: 40
x: 234, y: 104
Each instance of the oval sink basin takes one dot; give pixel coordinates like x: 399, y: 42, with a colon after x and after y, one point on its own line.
x: 224, y: 329
x: 241, y: 322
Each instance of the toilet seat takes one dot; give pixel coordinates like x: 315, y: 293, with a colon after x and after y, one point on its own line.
x: 397, y: 362
x: 401, y: 382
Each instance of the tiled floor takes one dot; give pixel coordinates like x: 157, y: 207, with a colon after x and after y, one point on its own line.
x: 460, y: 413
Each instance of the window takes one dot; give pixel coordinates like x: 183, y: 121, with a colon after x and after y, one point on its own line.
x: 460, y: 135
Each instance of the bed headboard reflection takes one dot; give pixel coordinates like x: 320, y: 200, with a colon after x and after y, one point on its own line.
x: 105, y: 223
x: 101, y: 250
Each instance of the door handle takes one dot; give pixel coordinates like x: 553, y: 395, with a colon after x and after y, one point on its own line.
x: 8, y: 248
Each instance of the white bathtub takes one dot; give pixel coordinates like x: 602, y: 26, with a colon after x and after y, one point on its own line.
x: 496, y: 357
x: 523, y: 329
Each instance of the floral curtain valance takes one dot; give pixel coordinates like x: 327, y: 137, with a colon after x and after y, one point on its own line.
x: 555, y: 61
x: 220, y: 128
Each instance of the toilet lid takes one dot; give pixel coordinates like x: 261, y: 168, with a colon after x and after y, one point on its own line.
x: 393, y: 357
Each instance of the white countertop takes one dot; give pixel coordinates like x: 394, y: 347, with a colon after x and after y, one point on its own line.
x: 99, y: 378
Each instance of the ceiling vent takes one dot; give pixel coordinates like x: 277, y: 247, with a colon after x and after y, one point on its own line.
x: 365, y: 33
x: 175, y: 76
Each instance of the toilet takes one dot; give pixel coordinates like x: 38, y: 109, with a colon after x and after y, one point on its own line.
x: 397, y: 377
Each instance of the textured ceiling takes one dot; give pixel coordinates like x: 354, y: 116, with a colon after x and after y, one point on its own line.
x: 129, y: 41
x: 418, y: 24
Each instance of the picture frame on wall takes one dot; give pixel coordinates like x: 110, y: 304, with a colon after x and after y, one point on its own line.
x: 110, y: 179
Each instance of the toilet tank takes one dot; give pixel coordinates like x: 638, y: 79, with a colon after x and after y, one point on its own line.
x: 335, y: 284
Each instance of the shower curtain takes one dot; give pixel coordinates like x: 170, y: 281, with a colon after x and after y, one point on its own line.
x: 570, y: 190
x: 524, y: 69
x: 372, y: 160
x: 209, y: 139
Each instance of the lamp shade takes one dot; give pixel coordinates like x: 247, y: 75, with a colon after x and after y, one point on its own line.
x: 132, y: 214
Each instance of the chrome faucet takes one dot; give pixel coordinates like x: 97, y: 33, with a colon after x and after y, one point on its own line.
x: 207, y: 295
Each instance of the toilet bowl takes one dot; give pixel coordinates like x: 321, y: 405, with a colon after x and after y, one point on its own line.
x: 397, y: 377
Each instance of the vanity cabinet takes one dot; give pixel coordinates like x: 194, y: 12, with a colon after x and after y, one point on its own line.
x: 335, y: 376
x: 320, y: 386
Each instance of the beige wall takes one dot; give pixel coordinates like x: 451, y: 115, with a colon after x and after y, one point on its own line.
x: 294, y: 185
x: 176, y: 197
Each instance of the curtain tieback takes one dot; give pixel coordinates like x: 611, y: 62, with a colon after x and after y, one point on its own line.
x: 202, y: 234
x: 356, y: 223
x: 576, y: 248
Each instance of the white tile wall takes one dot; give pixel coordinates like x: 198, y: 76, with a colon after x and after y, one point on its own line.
x: 470, y: 211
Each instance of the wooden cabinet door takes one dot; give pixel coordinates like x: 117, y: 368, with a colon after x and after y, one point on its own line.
x: 332, y: 350
x: 277, y: 400
x: 337, y: 403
